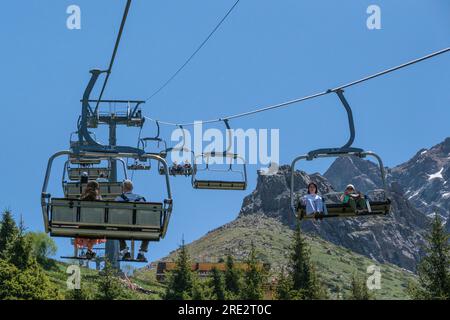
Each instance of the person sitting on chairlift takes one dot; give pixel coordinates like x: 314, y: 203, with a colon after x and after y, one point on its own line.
x: 354, y: 198
x: 173, y: 168
x: 187, y: 168
x: 91, y: 193
x: 102, y: 177
x: 313, y: 201
x: 84, y: 177
x: 129, y: 196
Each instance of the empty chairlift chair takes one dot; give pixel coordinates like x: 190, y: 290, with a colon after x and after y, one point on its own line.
x: 199, y: 183
x: 228, y: 159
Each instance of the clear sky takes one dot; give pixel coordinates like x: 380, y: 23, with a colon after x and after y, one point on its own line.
x: 266, y: 52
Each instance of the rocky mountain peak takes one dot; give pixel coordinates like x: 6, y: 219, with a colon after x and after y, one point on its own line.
x: 425, y: 179
x: 365, y: 175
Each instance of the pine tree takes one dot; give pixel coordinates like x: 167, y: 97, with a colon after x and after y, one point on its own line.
x: 21, y: 253
x: 359, y: 290
x: 200, y: 290
x: 217, y: 284
x: 254, y: 278
x: 28, y: 284
x: 109, y: 286
x: 232, y: 278
x: 284, y: 286
x: 181, y: 280
x: 21, y: 277
x: 305, y: 283
x: 8, y: 233
x: 79, y: 294
x: 434, y: 268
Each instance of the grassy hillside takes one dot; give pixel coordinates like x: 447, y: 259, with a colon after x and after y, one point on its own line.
x: 272, y: 239
x: 335, y: 264
x: 89, y: 277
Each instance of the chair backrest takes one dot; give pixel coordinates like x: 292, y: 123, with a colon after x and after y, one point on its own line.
x: 84, y: 161
x: 93, y: 173
x: 109, y: 219
x: 108, y: 190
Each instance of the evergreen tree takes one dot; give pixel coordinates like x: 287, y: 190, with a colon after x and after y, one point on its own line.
x: 109, y: 285
x: 28, y: 284
x: 201, y: 290
x: 8, y: 233
x: 305, y: 283
x: 434, y: 268
x: 254, y: 278
x: 79, y: 294
x: 232, y: 278
x: 217, y: 284
x: 21, y: 277
x: 181, y: 280
x: 284, y: 286
x: 359, y: 290
x: 20, y: 253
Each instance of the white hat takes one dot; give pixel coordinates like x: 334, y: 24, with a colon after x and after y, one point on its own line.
x: 350, y: 186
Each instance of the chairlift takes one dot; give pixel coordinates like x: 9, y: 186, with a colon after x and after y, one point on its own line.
x: 227, y: 157
x: 76, y: 160
x: 139, y: 166
x: 373, y: 207
x: 104, y: 219
x: 72, y: 217
x: 178, y: 169
x: 144, y: 143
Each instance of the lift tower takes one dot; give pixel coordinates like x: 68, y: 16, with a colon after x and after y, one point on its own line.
x: 118, y: 112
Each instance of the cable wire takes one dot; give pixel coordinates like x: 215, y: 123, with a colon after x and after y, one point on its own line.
x: 165, y: 84
x: 316, y: 95
x: 113, y: 57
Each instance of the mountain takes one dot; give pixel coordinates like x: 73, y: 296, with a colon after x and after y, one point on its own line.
x: 272, y: 239
x: 425, y: 179
x: 416, y: 188
x: 396, y: 238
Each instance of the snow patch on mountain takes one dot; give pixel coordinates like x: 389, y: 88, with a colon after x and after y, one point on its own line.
x: 436, y: 175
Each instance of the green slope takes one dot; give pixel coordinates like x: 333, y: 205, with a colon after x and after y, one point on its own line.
x: 89, y: 277
x: 335, y: 264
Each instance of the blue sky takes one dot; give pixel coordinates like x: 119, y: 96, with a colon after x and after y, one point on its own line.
x: 266, y: 52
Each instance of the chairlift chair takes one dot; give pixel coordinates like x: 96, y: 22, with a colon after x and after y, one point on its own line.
x: 186, y: 169
x: 139, y: 166
x: 77, y: 160
x: 72, y: 217
x: 220, y: 184
x: 334, y: 210
x: 225, y: 155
